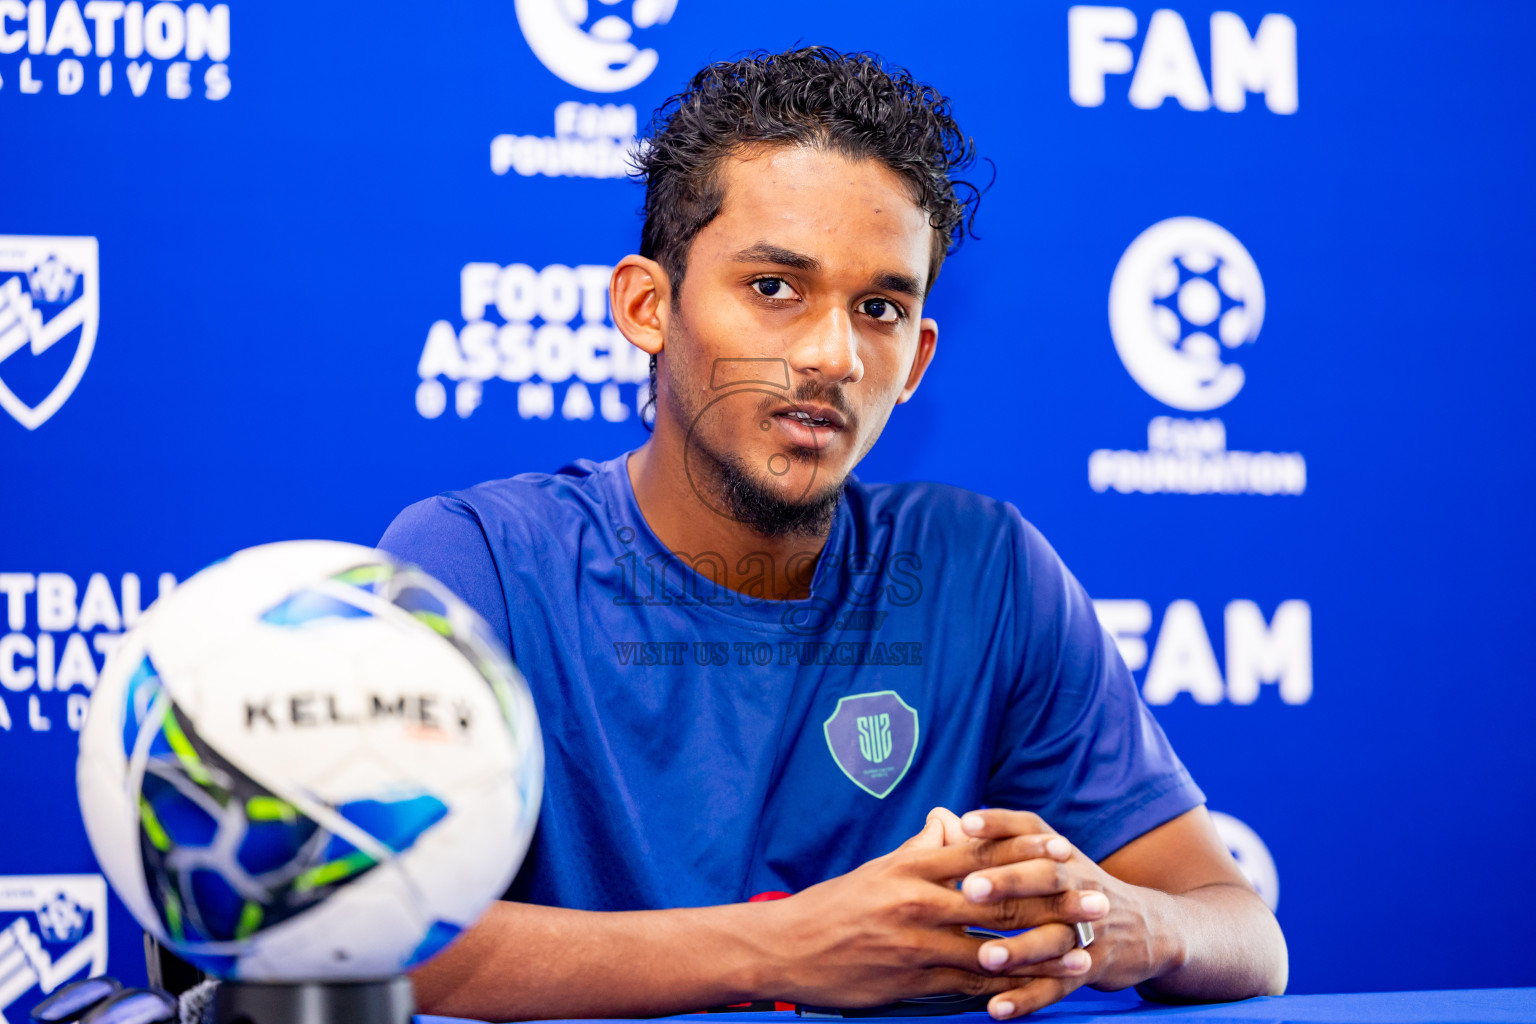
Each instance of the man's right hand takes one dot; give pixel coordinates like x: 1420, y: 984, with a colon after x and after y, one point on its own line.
x: 893, y: 928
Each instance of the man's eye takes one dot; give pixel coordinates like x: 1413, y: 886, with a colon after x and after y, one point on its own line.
x: 882, y: 310
x: 773, y: 288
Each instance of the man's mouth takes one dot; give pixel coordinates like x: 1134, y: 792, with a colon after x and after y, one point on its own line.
x: 809, y: 426
x: 818, y: 416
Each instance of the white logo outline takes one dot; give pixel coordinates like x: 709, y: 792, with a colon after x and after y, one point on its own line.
x: 1150, y: 294
x: 20, y: 325
x: 600, y: 58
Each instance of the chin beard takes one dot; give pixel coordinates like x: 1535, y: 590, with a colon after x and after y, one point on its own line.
x: 759, y: 507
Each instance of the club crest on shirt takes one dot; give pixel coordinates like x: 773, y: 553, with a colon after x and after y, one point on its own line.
x: 873, y: 738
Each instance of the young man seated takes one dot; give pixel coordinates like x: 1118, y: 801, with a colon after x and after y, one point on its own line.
x: 758, y: 674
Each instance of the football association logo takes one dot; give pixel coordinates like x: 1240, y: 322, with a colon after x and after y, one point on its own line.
x: 48, y: 294
x: 52, y: 928
x: 873, y: 739
x: 1185, y: 293
x: 597, y: 57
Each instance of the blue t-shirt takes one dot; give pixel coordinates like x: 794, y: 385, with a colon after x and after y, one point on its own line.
x: 704, y: 745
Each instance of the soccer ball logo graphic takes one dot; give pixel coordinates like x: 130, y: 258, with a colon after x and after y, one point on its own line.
x: 588, y: 45
x: 1185, y: 293
x: 309, y: 762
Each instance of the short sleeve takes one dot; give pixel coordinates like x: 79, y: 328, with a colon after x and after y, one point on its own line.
x: 444, y: 536
x: 1077, y: 744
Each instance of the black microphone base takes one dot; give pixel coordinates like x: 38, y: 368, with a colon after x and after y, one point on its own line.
x: 385, y: 1001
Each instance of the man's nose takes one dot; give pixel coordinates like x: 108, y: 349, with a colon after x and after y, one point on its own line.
x: 829, y: 346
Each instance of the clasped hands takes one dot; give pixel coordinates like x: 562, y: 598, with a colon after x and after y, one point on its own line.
x: 894, y: 927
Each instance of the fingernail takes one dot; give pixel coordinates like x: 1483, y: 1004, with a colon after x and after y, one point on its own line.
x: 1058, y: 847
x: 993, y: 956
x: 1094, y: 903
x: 977, y: 887
x: 1002, y: 1008
x: 1076, y: 960
x: 974, y: 822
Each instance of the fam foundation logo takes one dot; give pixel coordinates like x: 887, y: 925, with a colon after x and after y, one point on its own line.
x: 174, y: 50
x: 591, y: 141
x: 50, y: 305
x: 548, y: 332
x: 1185, y: 301
x: 53, y: 928
x: 1185, y: 294
x: 589, y: 45
x: 596, y: 48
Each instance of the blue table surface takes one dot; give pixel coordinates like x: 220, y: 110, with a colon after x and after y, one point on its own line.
x: 1466, y: 1006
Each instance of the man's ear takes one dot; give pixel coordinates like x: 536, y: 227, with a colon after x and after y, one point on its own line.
x: 927, y: 341
x: 640, y: 296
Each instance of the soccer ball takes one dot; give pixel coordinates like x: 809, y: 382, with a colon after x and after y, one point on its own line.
x: 309, y: 762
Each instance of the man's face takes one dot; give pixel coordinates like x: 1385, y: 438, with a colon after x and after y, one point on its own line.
x: 808, y: 284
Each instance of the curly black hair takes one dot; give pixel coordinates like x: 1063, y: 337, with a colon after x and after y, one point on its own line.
x: 849, y: 103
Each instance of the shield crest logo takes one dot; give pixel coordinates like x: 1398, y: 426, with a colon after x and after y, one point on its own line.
x: 53, y: 928
x: 873, y: 739
x: 49, y: 291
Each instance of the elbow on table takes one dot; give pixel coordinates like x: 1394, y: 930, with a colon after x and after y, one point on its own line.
x: 1262, y: 969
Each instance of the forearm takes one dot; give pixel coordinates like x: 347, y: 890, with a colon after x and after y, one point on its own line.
x: 1214, y: 943
x: 525, y: 962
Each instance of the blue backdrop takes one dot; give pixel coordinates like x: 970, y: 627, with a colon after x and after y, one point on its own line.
x: 272, y: 272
